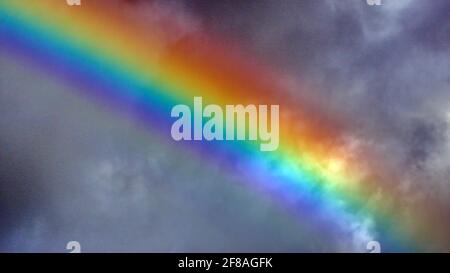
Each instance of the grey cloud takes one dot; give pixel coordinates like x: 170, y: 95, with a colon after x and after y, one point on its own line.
x: 72, y: 169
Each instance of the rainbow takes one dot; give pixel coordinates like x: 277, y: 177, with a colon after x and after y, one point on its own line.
x: 142, y: 67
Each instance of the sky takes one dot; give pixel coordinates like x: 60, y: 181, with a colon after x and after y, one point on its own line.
x: 71, y: 169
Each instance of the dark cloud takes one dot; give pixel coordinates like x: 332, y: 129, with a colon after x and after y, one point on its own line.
x: 387, y: 67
